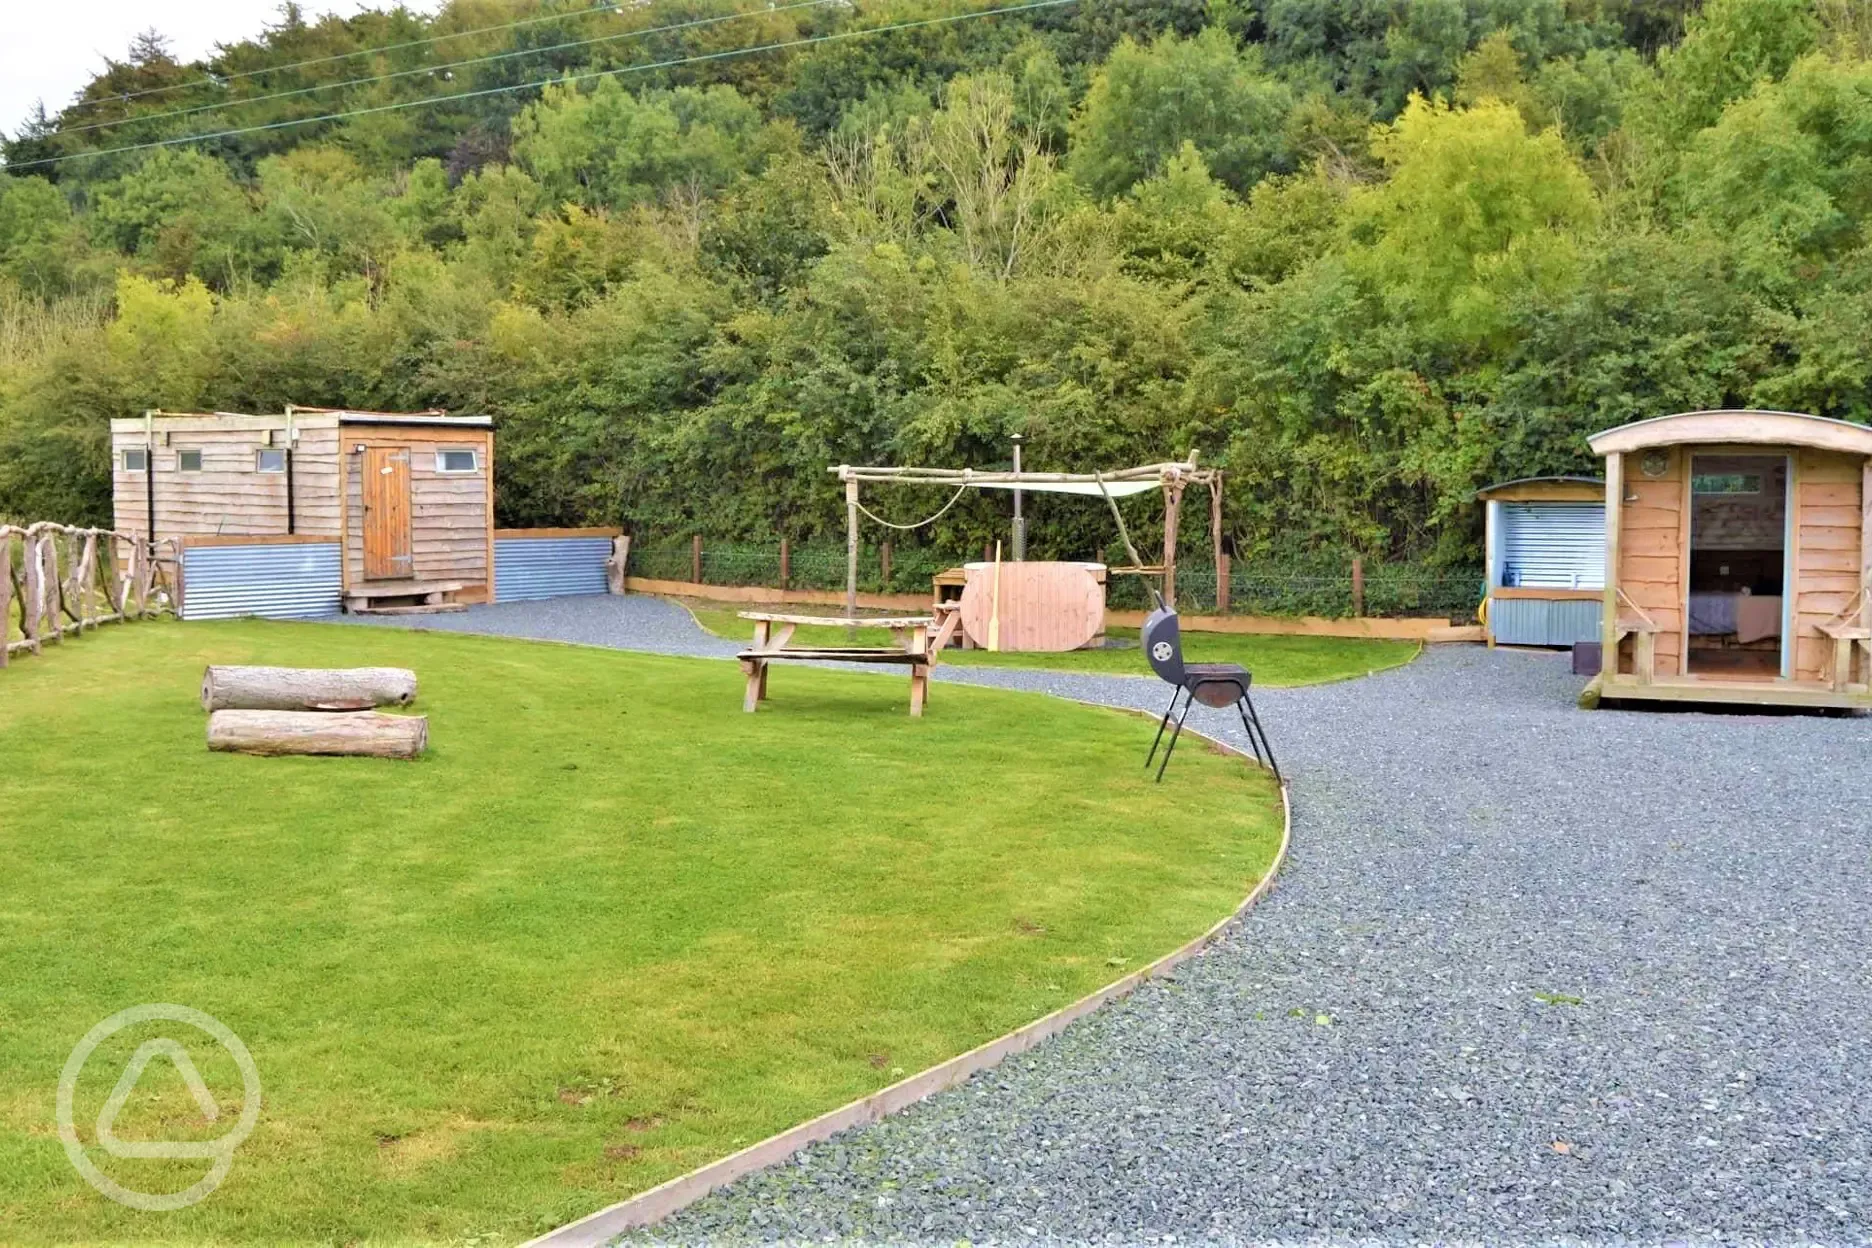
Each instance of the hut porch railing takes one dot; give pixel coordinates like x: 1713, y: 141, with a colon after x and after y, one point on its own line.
x: 1850, y: 637
x: 1643, y: 631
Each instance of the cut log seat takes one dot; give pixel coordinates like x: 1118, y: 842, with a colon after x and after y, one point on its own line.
x: 368, y: 733
x: 306, y: 689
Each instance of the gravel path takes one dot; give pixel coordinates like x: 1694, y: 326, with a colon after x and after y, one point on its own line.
x: 1531, y: 975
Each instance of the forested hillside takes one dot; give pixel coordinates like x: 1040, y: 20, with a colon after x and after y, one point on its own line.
x: 1365, y: 254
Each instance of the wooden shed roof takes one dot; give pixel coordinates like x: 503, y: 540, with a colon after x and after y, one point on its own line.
x: 1739, y: 428
x: 303, y: 417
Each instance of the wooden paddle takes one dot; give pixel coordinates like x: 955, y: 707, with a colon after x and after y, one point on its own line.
x: 994, y: 612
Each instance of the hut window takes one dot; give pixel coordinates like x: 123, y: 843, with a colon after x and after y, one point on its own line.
x: 1727, y: 483
x: 457, y: 461
x: 266, y: 460
x: 1552, y: 545
x: 188, y: 461
x: 136, y: 460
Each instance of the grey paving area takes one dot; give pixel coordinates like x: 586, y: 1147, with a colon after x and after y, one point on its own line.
x: 1531, y: 975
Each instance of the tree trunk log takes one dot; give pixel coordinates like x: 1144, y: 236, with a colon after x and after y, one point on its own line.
x: 316, y: 732
x: 306, y: 688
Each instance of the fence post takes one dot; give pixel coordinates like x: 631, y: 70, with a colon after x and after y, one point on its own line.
x: 786, y: 561
x: 49, y: 585
x: 6, y: 591
x: 617, y: 567
x: 34, y: 567
x: 141, y: 554
x: 1358, y: 586
x: 84, y: 579
x: 695, y: 559
x: 884, y: 553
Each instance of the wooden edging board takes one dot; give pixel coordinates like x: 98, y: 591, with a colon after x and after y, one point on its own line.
x: 1380, y: 628
x: 198, y: 540
x: 767, y: 594
x: 1308, y: 625
x: 502, y: 534
x: 678, y: 1193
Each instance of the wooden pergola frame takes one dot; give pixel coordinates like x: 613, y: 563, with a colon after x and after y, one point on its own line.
x: 1173, y: 478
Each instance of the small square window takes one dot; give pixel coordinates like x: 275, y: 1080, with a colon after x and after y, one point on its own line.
x: 188, y: 461
x: 266, y: 460
x: 457, y: 461
x: 136, y: 461
x: 1726, y: 483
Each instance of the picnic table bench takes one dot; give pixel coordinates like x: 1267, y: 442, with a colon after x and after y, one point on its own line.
x: 915, y: 648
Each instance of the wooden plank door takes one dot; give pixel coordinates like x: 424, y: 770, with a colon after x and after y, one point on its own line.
x: 387, y: 554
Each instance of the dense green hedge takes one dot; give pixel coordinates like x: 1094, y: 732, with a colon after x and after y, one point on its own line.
x: 1365, y: 255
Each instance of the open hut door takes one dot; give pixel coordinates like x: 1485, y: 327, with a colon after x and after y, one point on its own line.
x: 387, y: 550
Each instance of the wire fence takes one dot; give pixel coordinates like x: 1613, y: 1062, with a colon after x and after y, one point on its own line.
x: 1389, y: 589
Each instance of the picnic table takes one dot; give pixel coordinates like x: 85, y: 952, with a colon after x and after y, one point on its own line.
x: 915, y: 648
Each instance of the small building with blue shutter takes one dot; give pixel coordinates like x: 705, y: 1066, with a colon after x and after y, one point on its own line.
x: 1544, y: 539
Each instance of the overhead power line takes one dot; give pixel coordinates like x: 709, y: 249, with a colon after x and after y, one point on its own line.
x: 215, y: 80
x: 421, y: 70
x: 565, y: 79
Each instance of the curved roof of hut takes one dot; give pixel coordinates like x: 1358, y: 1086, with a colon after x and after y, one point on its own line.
x: 1736, y: 427
x: 1533, y: 485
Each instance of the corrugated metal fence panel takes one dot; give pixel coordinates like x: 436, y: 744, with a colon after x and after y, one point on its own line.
x: 1553, y: 545
x: 277, y: 582
x: 549, y: 567
x: 1534, y: 622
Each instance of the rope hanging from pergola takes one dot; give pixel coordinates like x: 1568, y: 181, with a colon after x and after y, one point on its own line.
x: 1171, y: 478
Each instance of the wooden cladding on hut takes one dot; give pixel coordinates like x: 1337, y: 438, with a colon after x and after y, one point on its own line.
x: 409, y: 494
x: 1738, y: 565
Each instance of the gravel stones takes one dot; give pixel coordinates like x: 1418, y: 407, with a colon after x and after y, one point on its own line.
x: 1530, y: 975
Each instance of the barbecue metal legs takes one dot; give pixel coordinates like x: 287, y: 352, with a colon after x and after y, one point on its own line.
x: 1161, y: 725
x: 1251, y: 722
x: 1251, y: 725
x: 1171, y: 748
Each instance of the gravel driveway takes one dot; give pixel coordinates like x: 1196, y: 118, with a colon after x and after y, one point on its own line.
x: 1531, y: 975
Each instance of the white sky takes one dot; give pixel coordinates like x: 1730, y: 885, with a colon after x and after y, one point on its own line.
x: 50, y: 48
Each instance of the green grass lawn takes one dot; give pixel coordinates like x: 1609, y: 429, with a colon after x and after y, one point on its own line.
x: 1276, y: 661
x: 609, y: 929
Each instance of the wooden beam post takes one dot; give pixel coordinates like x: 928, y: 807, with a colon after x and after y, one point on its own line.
x: 851, y: 549
x: 884, y: 560
x: 1173, y: 510
x: 1215, y: 536
x: 695, y: 559
x: 1615, y: 506
x: 1791, y: 579
x: 1865, y: 548
x: 1358, y: 587
x: 786, y: 562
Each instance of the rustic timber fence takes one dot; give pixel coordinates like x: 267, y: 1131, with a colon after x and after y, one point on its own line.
x: 1330, y: 586
x: 65, y: 579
